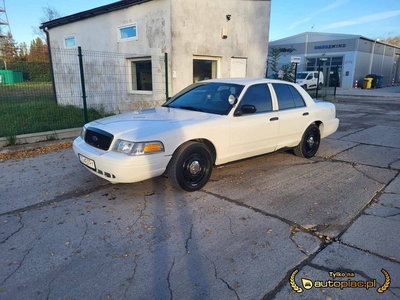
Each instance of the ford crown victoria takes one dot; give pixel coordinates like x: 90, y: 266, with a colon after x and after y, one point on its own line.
x: 209, y: 123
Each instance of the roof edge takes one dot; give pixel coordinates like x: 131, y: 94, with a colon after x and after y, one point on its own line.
x: 122, y: 4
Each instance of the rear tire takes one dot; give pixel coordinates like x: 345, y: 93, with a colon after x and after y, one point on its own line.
x: 190, y: 167
x: 309, y: 143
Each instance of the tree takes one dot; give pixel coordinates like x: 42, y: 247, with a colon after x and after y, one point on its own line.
x: 274, y: 54
x: 23, y: 51
x: 38, y: 51
x: 273, y: 63
x: 8, y: 51
x: 393, y: 40
x: 49, y: 14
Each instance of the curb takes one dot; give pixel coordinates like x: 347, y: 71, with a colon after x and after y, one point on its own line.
x: 41, y: 139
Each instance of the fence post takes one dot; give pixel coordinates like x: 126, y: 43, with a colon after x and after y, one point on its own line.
x: 83, y: 84
x: 166, y: 75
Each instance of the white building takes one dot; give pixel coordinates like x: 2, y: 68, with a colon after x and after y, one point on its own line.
x: 352, y: 56
x: 203, y: 39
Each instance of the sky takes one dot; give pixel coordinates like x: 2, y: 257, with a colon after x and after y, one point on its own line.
x: 375, y: 19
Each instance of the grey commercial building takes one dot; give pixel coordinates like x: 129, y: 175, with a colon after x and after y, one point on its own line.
x: 348, y: 57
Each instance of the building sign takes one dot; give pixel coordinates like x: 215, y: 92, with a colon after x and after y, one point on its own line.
x: 329, y: 46
x: 295, y: 59
x: 290, y: 50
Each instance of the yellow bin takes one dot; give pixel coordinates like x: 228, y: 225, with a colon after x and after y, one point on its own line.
x: 367, y: 83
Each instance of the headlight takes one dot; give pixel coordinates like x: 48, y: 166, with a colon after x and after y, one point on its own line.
x: 83, y: 133
x: 142, y: 148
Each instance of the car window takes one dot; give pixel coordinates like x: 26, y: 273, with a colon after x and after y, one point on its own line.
x: 284, y: 95
x: 210, y: 97
x: 259, y: 96
x: 301, y: 75
x: 298, y: 99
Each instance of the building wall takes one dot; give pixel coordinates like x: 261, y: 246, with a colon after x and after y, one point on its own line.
x: 100, y: 33
x: 361, y: 56
x: 196, y: 31
x: 184, y: 29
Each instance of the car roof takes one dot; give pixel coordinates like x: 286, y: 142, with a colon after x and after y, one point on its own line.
x: 244, y: 81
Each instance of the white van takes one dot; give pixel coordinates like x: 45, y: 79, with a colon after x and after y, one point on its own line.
x: 308, y: 79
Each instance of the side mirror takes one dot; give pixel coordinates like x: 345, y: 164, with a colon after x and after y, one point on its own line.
x: 248, y: 109
x: 232, y: 99
x: 245, y: 110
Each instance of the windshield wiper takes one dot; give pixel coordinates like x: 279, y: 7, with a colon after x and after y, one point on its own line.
x: 190, y: 108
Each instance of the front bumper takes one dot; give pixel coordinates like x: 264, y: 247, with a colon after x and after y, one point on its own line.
x: 119, y: 167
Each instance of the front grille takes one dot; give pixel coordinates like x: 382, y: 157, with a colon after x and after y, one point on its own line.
x: 98, y: 138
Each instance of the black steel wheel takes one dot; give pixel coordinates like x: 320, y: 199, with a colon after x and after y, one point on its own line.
x: 310, y: 141
x: 190, y: 167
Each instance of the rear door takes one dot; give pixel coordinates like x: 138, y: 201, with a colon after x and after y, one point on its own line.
x: 294, y: 115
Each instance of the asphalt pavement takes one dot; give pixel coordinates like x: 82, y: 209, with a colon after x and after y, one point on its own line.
x: 271, y: 227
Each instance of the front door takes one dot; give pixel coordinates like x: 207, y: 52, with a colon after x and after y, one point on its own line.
x: 254, y: 133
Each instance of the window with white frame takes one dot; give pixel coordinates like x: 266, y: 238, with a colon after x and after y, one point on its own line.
x: 127, y: 32
x: 141, y: 75
x: 69, y: 41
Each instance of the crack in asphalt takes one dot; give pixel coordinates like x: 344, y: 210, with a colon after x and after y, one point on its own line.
x: 130, y: 279
x: 84, y: 234
x: 19, y: 217
x: 293, y: 233
x: 58, y: 199
x: 49, y: 285
x: 230, y: 223
x: 141, y: 212
x: 370, y: 252
x: 264, y: 213
x: 189, y: 238
x: 171, y: 296
x: 224, y: 281
x: 19, y: 266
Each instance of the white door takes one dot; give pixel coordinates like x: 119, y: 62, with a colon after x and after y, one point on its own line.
x: 238, y: 67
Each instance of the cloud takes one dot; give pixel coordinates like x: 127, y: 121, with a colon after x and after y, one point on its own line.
x: 362, y: 20
x: 334, y: 5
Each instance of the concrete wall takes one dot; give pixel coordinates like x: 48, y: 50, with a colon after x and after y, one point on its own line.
x: 196, y: 31
x: 100, y: 33
x: 182, y: 28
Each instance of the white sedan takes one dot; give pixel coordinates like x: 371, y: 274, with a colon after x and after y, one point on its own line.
x: 209, y: 123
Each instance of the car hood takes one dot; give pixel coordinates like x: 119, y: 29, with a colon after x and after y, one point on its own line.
x: 154, y: 120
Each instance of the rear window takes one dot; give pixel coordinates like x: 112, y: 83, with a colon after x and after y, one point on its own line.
x: 288, y: 97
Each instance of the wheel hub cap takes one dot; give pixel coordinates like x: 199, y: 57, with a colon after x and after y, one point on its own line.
x: 194, y: 167
x: 310, y: 141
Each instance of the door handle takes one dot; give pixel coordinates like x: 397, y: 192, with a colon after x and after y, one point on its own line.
x: 274, y: 119
x: 306, y: 114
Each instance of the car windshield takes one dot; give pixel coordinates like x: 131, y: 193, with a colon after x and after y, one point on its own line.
x: 210, y: 97
x: 301, y: 75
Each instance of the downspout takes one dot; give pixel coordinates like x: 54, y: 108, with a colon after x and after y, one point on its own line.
x: 51, y: 62
x: 371, y: 58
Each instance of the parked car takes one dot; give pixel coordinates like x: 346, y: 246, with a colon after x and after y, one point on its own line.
x: 209, y: 123
x: 309, y: 79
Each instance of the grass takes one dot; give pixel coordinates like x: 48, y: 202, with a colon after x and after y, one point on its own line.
x: 31, y: 107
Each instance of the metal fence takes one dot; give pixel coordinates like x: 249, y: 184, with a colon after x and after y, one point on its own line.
x: 105, y: 81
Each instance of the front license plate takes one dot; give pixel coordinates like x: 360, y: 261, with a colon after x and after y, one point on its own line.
x: 87, y: 161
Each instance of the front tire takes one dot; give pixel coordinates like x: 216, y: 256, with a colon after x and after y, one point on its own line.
x: 190, y: 167
x: 309, y: 143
